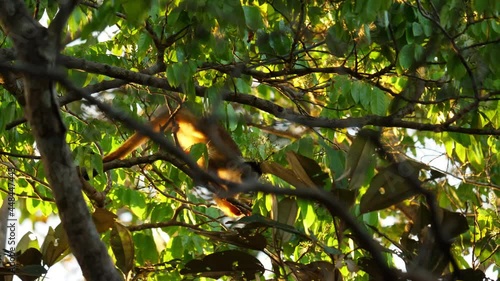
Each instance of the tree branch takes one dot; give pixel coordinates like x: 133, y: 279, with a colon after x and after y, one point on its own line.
x: 33, y: 47
x: 126, y: 76
x: 336, y: 208
x: 58, y: 25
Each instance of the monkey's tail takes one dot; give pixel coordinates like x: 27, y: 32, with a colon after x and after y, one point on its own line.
x: 126, y: 148
x: 137, y: 139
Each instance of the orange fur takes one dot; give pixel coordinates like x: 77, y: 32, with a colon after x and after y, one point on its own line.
x: 224, y: 156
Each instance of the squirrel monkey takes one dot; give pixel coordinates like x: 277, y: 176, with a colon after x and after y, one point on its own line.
x: 224, y: 156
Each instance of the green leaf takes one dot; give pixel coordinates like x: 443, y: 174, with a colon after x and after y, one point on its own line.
x: 406, y: 56
x: 102, y: 18
x: 243, y: 85
x: 232, y: 118
x: 160, y: 212
x: 418, y: 53
x: 136, y: 11
x: 379, y: 102
x: 455, y: 67
x: 417, y: 29
x: 228, y: 13
x: 360, y: 159
x: 285, y: 212
x: 79, y: 78
x: 172, y: 76
x: 365, y: 95
x: 308, y: 215
x: 145, y: 239
x: 337, y: 41
x: 389, y: 187
x: 460, y: 151
x: 356, y: 91
x: 177, y: 247
x: 480, y: 5
x: 123, y: 247
x: 253, y: 17
x: 280, y: 42
x: 55, y: 246
x: 27, y: 241
x: 144, y: 43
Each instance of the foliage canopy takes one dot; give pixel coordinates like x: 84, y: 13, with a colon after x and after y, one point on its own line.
x: 389, y: 157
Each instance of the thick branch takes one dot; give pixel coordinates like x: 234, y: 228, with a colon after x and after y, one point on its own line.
x: 270, y: 107
x: 145, y: 78
x: 336, y: 208
x: 322, y: 122
x: 57, y: 26
x: 33, y: 47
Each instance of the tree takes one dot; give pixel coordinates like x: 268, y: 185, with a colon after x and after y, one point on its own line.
x: 369, y: 89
